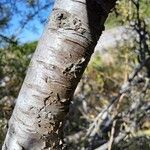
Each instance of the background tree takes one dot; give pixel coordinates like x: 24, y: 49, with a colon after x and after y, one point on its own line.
x: 16, y: 16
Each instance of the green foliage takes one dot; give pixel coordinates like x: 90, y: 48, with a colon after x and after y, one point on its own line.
x: 125, y: 11
x: 13, y: 64
x: 16, y: 17
x: 4, y: 16
x: 111, y: 69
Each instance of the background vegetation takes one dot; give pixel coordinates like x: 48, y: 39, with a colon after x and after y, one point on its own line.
x: 111, y: 107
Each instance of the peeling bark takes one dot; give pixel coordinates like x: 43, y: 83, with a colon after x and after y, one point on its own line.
x: 59, y: 61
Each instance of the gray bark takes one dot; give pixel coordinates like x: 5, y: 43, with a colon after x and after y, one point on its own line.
x: 61, y: 56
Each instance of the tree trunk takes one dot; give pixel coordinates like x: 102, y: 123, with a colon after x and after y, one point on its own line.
x: 59, y: 61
